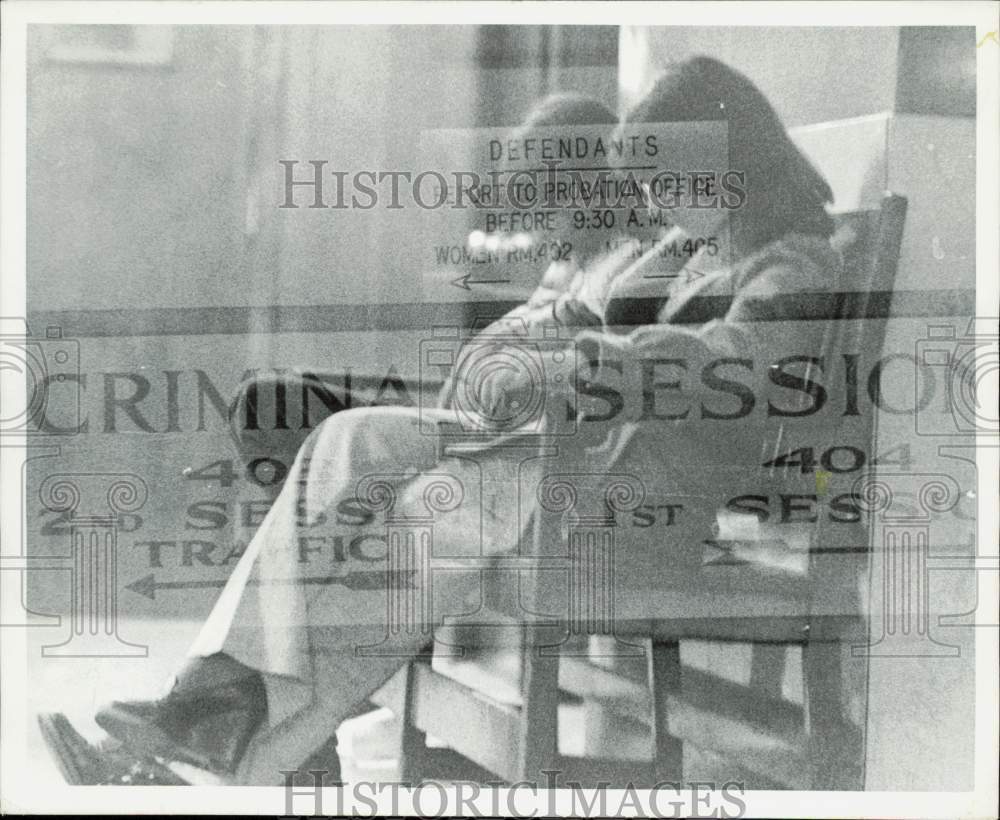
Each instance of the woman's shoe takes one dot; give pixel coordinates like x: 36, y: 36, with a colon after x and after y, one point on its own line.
x: 85, y: 764
x: 207, y: 719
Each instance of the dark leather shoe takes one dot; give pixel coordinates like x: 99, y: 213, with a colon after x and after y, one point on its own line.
x: 207, y: 719
x: 85, y: 764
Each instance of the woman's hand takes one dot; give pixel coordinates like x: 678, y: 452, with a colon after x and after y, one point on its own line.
x: 559, y: 278
x: 570, y: 311
x: 505, y: 386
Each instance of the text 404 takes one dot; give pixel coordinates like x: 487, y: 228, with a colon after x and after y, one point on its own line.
x: 840, y: 459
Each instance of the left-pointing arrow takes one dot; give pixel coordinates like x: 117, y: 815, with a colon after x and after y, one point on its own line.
x: 465, y: 280
x: 368, y: 579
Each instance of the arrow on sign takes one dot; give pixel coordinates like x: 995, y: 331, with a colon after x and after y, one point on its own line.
x: 691, y: 275
x: 367, y: 580
x: 463, y: 281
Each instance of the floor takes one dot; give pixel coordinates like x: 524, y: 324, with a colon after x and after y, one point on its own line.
x: 907, y: 713
x: 79, y: 686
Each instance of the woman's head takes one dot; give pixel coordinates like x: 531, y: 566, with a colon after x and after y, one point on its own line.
x: 561, y: 113
x: 784, y: 192
x: 568, y: 108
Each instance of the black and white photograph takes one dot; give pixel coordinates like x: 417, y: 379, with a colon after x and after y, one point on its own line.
x: 500, y: 409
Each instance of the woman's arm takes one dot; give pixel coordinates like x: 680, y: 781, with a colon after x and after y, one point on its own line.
x: 525, y: 318
x: 564, y: 297
x: 758, y: 329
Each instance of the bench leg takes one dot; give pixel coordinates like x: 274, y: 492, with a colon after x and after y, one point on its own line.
x: 664, y: 681
x: 836, y: 746
x: 539, y: 737
x: 412, y: 743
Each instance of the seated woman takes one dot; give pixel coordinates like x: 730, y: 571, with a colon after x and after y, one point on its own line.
x: 278, y: 665
x: 216, y: 704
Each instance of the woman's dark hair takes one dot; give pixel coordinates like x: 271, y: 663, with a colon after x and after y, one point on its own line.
x: 785, y: 193
x: 567, y: 108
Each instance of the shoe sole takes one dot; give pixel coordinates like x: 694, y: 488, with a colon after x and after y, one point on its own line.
x: 56, y: 730
x: 68, y: 746
x: 147, y: 739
